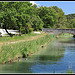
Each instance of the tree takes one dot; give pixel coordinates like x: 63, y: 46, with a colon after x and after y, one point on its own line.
x: 34, y: 9
x: 71, y: 23
x: 48, y: 16
x: 61, y: 17
x: 14, y: 13
x: 36, y: 22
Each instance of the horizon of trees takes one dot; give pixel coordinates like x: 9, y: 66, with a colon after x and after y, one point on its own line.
x: 26, y: 17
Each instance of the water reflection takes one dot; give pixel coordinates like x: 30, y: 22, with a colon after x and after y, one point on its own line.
x: 57, y: 57
x: 19, y: 67
x: 49, y: 59
x: 67, y: 40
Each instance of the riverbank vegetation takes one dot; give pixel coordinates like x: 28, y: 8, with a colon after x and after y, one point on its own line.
x: 22, y: 49
x: 67, y: 38
x: 65, y: 35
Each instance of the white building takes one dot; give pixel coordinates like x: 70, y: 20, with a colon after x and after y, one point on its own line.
x: 4, y: 33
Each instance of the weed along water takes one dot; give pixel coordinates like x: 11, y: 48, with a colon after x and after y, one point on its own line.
x: 56, y: 57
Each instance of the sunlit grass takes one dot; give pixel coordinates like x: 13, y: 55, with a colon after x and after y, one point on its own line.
x: 16, y: 38
x: 65, y: 35
x: 22, y: 49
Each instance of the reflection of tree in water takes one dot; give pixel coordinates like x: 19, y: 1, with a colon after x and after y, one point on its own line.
x: 50, y: 58
x: 66, y: 40
x: 18, y: 67
x: 52, y: 55
x: 71, y: 47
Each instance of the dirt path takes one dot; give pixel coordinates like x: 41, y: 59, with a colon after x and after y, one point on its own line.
x: 32, y: 38
x: 28, y: 39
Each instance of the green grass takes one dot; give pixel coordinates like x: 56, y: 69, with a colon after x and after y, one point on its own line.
x: 12, y: 51
x: 16, y: 38
x: 64, y: 35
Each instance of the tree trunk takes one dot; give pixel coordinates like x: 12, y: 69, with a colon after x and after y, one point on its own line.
x: 4, y: 26
x: 19, y: 30
x: 8, y: 33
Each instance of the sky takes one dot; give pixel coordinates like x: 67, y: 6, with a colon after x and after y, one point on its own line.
x: 68, y: 7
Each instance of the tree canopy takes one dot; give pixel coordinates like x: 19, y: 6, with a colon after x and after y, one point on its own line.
x: 70, y: 21
x: 26, y: 17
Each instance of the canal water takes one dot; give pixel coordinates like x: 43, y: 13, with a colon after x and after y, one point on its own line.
x: 56, y: 57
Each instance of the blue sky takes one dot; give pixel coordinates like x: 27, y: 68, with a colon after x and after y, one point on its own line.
x: 68, y: 7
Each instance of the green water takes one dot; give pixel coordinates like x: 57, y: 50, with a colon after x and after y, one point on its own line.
x: 56, y: 57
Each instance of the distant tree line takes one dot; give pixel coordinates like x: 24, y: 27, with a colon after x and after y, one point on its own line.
x: 26, y: 17
x: 70, y: 21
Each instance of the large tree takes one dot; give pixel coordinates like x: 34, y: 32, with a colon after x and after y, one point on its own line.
x: 15, y: 14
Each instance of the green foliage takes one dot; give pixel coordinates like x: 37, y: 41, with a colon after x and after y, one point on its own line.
x: 70, y: 16
x: 65, y: 35
x: 48, y: 15
x: 36, y: 22
x: 21, y: 49
x: 15, y: 14
x: 26, y: 17
x: 61, y: 17
x: 18, y: 15
x: 70, y: 21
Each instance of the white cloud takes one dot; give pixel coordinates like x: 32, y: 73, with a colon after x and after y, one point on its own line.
x: 34, y: 2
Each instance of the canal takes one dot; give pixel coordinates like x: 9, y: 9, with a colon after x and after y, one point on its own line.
x: 56, y: 57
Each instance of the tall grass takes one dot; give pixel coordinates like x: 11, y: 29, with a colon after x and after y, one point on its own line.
x: 22, y: 49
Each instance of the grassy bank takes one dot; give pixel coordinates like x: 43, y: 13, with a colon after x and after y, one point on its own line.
x: 65, y: 35
x: 15, y: 39
x: 22, y: 49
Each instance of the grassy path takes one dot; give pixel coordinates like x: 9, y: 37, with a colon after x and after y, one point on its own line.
x: 31, y: 38
x: 26, y: 39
